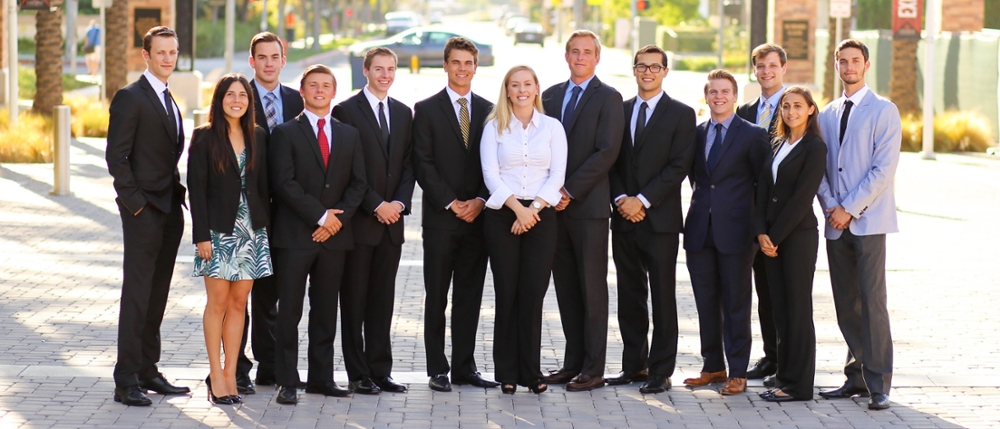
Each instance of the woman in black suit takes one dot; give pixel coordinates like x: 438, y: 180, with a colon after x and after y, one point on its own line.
x: 784, y: 219
x: 227, y: 179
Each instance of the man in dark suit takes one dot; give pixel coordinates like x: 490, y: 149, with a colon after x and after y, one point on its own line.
x: 145, y: 141
x: 729, y: 155
x: 769, y: 65
x: 591, y: 113
x: 280, y: 104
x: 657, y: 148
x: 366, y: 298
x: 447, y: 128
x: 317, y: 171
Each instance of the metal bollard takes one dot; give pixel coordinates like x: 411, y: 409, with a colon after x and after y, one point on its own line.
x: 61, y: 141
x: 414, y: 64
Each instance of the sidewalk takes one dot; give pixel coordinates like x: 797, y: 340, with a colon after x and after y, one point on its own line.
x: 60, y: 275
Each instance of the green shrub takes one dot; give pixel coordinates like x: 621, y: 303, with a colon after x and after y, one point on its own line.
x: 29, y: 141
x: 954, y: 131
x: 27, y: 82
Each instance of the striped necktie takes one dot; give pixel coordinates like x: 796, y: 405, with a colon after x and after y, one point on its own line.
x: 272, y: 114
x: 464, y: 121
x: 764, y: 118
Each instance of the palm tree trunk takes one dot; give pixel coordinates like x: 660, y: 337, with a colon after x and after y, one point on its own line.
x: 48, y: 59
x: 903, y: 83
x: 117, y: 47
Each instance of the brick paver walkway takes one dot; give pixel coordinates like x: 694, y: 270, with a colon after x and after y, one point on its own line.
x: 60, y: 273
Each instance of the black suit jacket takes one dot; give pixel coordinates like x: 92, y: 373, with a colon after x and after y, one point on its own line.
x: 748, y: 112
x: 726, y: 196
x: 389, y: 173
x: 215, y: 195
x: 291, y: 105
x: 594, y: 137
x: 144, y: 149
x: 446, y: 170
x: 304, y: 190
x: 655, y: 165
x: 786, y: 205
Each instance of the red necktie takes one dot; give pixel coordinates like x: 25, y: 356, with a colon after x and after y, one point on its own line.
x: 324, y: 143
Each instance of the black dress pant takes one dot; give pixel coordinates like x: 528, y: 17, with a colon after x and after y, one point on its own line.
x: 723, y: 296
x: 366, y: 303
x: 460, y: 253
x: 580, y: 273
x: 646, y: 262
x: 765, y: 309
x: 151, y: 239
x: 324, y: 269
x: 521, y: 266
x: 791, y: 275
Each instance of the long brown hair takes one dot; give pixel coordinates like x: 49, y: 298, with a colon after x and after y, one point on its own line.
x: 220, y: 148
x: 781, y: 129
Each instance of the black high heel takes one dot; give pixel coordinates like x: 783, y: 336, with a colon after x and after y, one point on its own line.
x: 538, y: 387
x: 508, y: 388
x: 225, y: 400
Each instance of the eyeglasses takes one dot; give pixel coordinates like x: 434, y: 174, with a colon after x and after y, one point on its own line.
x: 641, y: 68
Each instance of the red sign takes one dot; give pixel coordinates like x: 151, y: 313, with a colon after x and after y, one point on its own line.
x: 906, y: 18
x: 33, y: 4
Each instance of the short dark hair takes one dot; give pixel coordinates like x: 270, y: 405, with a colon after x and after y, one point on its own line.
x: 651, y: 49
x: 722, y: 74
x: 851, y: 43
x: 461, y: 44
x: 763, y: 50
x: 317, y: 68
x: 376, y: 51
x: 158, y: 31
x: 265, y: 37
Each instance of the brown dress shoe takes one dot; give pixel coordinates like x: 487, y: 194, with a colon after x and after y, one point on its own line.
x: 584, y: 383
x: 705, y: 379
x: 734, y: 386
x: 560, y: 376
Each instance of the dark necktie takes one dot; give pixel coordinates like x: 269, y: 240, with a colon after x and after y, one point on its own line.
x: 843, y: 119
x: 713, y: 153
x: 169, y: 102
x: 324, y: 142
x: 571, y: 105
x: 383, y: 125
x: 640, y: 123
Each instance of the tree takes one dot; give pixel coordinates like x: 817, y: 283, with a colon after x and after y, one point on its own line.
x: 48, y: 59
x: 117, y: 47
x: 903, y: 83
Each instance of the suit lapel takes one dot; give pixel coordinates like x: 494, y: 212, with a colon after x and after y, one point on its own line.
x: 557, y: 101
x: 449, y: 114
x: 702, y: 139
x: 311, y: 139
x: 156, y: 99
x: 857, y: 113
x: 629, y: 107
x: 795, y: 152
x: 366, y: 111
x: 734, y: 127
x: 591, y: 89
x: 287, y: 110
x: 260, y: 117
x: 654, y: 118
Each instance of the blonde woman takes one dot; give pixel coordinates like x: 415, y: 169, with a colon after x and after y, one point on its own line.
x: 523, y: 155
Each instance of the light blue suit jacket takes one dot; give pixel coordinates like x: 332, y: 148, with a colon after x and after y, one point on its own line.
x: 860, y: 172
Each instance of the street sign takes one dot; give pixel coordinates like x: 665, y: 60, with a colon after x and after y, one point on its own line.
x: 102, y: 3
x: 840, y: 8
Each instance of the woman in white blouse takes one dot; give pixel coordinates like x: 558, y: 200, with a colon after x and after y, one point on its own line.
x: 787, y: 233
x: 523, y: 154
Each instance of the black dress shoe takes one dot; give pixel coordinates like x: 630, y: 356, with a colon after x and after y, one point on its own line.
x: 878, y: 401
x: 329, y: 389
x: 627, y: 378
x: 845, y: 391
x: 561, y: 376
x: 365, y: 386
x: 287, y: 395
x: 782, y: 398
x: 244, y: 386
x: 771, y: 380
x: 475, y: 379
x: 387, y: 384
x: 160, y: 385
x: 440, y: 383
x: 655, y: 384
x: 763, y: 368
x: 131, y: 395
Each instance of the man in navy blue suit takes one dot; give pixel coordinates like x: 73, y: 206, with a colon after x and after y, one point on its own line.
x: 729, y: 155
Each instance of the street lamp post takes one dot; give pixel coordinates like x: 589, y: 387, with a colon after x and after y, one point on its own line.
x: 12, y: 61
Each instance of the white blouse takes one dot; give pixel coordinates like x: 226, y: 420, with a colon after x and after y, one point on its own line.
x: 780, y: 156
x: 524, y: 162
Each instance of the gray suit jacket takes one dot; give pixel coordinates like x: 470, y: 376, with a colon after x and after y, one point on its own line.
x: 861, y: 171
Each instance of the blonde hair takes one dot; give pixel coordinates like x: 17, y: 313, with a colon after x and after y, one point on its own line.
x: 586, y: 33
x: 504, y: 108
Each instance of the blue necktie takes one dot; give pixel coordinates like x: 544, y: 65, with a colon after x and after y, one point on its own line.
x: 713, y: 153
x: 270, y: 111
x: 571, y: 105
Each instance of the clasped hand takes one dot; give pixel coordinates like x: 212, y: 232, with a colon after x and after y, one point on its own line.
x: 526, y: 219
x: 631, y: 208
x: 839, y: 218
x: 330, y: 227
x: 467, y: 210
x: 389, y: 212
x: 767, y: 246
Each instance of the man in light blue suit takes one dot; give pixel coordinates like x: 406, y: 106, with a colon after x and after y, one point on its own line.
x: 863, y: 133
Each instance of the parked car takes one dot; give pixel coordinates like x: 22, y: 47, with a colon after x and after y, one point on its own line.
x: 529, y: 32
x: 396, y: 22
x: 427, y: 43
x: 435, y: 17
x: 512, y: 23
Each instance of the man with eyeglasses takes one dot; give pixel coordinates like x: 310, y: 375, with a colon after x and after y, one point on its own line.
x: 656, y: 154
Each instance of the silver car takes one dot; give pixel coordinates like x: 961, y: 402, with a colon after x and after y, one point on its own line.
x: 426, y: 43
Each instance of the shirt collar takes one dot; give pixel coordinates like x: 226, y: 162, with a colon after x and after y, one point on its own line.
x: 261, y: 91
x: 373, y: 100
x: 536, y: 121
x: 583, y: 85
x: 651, y: 103
x: 314, y: 119
x: 158, y: 86
x: 454, y: 96
x: 858, y: 96
x: 774, y: 99
x: 725, y: 124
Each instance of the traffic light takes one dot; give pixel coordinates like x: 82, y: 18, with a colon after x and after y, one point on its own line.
x: 641, y: 4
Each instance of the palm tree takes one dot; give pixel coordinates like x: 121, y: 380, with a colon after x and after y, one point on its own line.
x: 117, y: 47
x: 903, y: 83
x: 48, y: 59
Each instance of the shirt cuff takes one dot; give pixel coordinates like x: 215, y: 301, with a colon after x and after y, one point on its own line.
x: 645, y: 202
x: 619, y: 197
x: 401, y: 204
x: 322, y: 220
x: 448, y: 207
x: 497, y: 199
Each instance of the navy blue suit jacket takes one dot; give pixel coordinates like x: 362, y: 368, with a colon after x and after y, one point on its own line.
x: 726, y: 196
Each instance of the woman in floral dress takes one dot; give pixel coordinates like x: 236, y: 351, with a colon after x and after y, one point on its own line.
x: 227, y: 180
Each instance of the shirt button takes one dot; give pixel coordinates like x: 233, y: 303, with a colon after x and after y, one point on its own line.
x: 840, y: 169
x: 327, y: 185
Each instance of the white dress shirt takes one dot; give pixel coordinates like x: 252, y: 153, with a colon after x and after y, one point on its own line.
x: 158, y: 88
x: 527, y: 163
x: 458, y: 107
x: 314, y: 122
x: 374, y: 101
x: 856, y: 100
x: 279, y: 107
x: 783, y: 151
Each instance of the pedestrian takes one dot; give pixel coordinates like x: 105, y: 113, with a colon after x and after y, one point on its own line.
x: 92, y: 48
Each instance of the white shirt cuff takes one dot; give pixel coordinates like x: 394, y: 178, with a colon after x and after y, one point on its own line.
x: 322, y: 220
x: 645, y: 202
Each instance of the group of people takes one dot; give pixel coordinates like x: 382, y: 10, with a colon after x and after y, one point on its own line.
x: 286, y: 188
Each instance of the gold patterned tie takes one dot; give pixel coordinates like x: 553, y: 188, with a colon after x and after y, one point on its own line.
x: 764, y: 119
x: 463, y: 120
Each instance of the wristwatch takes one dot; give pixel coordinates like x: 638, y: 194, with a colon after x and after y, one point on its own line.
x: 536, y: 205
